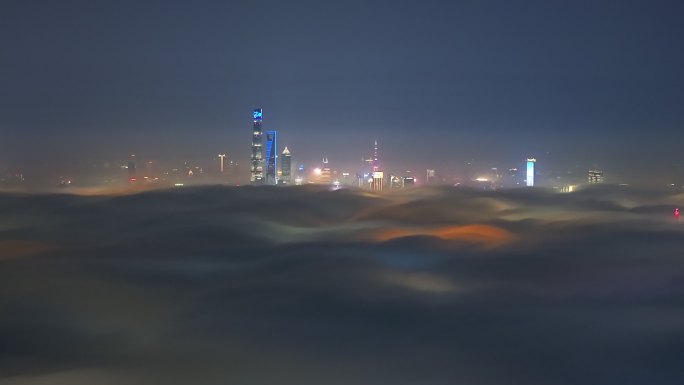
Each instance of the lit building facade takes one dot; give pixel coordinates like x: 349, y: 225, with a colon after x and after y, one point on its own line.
x: 378, y: 179
x: 271, y: 157
x: 595, y: 176
x: 285, y: 167
x: 325, y: 176
x: 376, y: 163
x: 530, y: 172
x: 395, y: 182
x: 257, y: 161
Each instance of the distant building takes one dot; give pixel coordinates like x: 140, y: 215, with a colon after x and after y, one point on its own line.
x: 233, y: 170
x: 299, y: 178
x: 408, y: 181
x: 512, y: 178
x: 285, y: 167
x: 222, y: 161
x: 595, y: 176
x: 257, y: 161
x: 325, y: 176
x: 429, y: 176
x: 360, y: 179
x: 348, y: 180
x: 271, y: 157
x: 376, y: 163
x: 378, y: 179
x: 149, y: 168
x: 130, y: 167
x: 530, y: 171
x: 395, y: 182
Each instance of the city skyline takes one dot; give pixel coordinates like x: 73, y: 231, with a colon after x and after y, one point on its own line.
x: 360, y: 192
x: 447, y: 166
x: 263, y: 168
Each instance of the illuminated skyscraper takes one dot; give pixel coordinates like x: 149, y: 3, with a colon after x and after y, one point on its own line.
x: 325, y: 176
x: 378, y: 180
x: 595, y: 176
x: 257, y: 166
x: 530, y: 171
x: 376, y: 165
x: 271, y: 157
x: 285, y: 167
x: 222, y: 161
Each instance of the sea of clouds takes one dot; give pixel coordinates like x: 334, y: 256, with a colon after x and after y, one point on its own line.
x: 251, y: 286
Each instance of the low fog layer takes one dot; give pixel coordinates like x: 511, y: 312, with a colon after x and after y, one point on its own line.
x: 300, y: 286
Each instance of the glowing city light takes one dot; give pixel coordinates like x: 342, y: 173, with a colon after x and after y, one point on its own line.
x: 530, y: 172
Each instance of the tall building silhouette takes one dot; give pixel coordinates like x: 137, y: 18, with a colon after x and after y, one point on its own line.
x: 130, y: 166
x: 285, y: 167
x: 257, y: 166
x: 376, y: 165
x: 430, y: 176
x: 271, y: 157
x: 378, y: 177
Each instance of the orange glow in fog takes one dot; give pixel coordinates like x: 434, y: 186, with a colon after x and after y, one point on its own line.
x: 480, y: 234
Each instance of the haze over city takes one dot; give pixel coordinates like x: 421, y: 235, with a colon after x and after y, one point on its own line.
x: 342, y: 193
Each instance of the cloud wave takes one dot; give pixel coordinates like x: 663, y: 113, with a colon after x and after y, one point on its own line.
x: 215, y: 285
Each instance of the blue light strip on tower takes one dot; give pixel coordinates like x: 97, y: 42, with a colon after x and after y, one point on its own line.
x: 271, y: 156
x: 530, y: 172
x: 269, y: 144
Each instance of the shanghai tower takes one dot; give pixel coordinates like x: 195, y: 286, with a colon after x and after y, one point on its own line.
x: 257, y: 163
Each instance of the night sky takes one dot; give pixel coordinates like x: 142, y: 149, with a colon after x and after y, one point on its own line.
x: 574, y: 83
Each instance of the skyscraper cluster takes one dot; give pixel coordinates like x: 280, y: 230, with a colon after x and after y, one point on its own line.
x: 272, y: 166
x: 273, y: 175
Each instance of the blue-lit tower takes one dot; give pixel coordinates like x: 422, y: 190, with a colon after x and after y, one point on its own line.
x: 257, y: 166
x: 271, y: 157
x: 530, y: 171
